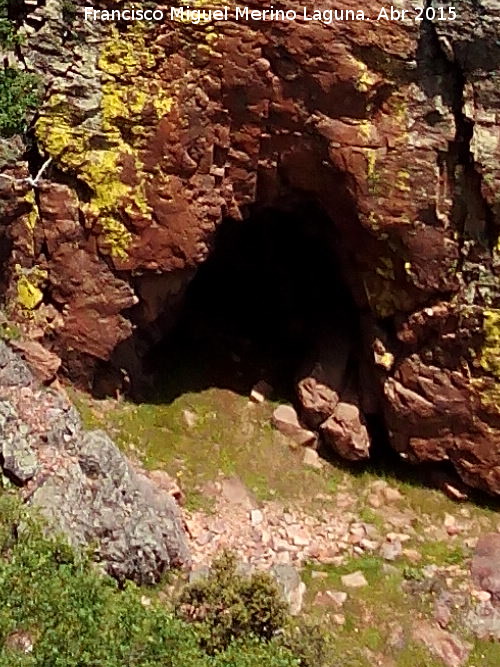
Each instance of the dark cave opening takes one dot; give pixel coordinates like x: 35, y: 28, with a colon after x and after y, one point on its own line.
x: 273, y: 295
x: 255, y: 309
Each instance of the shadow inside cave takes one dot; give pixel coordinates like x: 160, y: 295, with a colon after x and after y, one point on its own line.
x: 269, y: 289
x: 272, y: 286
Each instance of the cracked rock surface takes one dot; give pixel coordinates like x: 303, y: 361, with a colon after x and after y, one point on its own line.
x: 82, y: 484
x: 156, y: 134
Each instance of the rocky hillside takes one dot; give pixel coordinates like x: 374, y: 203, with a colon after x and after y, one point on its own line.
x: 81, y: 483
x: 146, y: 137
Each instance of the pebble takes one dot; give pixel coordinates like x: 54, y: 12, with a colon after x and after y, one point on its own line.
x: 318, y: 574
x: 312, y: 459
x: 354, y: 580
x: 256, y: 517
x: 391, y: 495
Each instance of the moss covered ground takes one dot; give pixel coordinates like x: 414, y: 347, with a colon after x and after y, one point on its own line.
x: 232, y: 436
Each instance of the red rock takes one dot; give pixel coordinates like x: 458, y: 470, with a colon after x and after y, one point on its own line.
x: 271, y: 112
x: 285, y: 419
x: 346, y: 433
x: 485, y: 566
x: 44, y: 363
x: 322, y: 379
x: 453, y: 651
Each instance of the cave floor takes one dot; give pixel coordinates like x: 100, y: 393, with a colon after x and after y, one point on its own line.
x: 411, y: 543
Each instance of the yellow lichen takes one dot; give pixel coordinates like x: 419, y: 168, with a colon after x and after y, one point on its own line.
x: 116, y: 237
x: 365, y: 129
x: 131, y: 96
x: 490, y: 353
x: 372, y: 175
x: 126, y: 55
x: 29, y: 282
x: 365, y: 78
x: 403, y: 180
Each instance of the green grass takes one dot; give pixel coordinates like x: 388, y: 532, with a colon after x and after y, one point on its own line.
x: 75, y: 617
x: 230, y: 437
x: 233, y: 438
x: 442, y: 553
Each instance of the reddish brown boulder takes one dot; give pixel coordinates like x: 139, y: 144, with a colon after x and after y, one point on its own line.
x: 346, y: 433
x: 485, y: 566
x: 42, y: 362
x: 285, y: 419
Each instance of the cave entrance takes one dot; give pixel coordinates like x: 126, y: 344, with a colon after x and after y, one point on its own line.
x: 269, y: 291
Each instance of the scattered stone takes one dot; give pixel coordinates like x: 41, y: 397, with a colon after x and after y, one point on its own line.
x: 167, y: 483
x: 391, y: 550
x: 236, y: 493
x: 374, y: 500
x: 354, y: 580
x: 412, y: 555
x: 311, y: 458
x: 19, y: 641
x: 338, y: 619
x: 330, y: 599
x: 291, y: 586
x: 190, y: 418
x: 368, y: 545
x: 318, y: 574
x: 398, y: 537
x: 285, y: 419
x: 482, y: 596
x: 256, y: 517
x: 298, y: 536
x: 261, y: 391
x: 453, y: 651
x: 391, y: 495
x: 346, y: 433
x: 485, y: 566
x: 453, y: 492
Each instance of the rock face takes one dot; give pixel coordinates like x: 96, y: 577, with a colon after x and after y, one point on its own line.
x: 82, y: 484
x: 155, y: 134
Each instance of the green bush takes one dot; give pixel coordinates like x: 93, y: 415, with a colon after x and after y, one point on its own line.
x: 70, y: 615
x: 19, y: 94
x: 8, y: 34
x: 312, y: 644
x: 227, y: 606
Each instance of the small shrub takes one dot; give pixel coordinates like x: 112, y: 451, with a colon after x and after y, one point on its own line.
x: 312, y: 644
x: 54, y: 602
x: 19, y: 94
x: 227, y: 606
x: 69, y: 11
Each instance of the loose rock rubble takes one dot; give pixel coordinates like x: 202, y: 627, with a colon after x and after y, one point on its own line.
x: 267, y: 535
